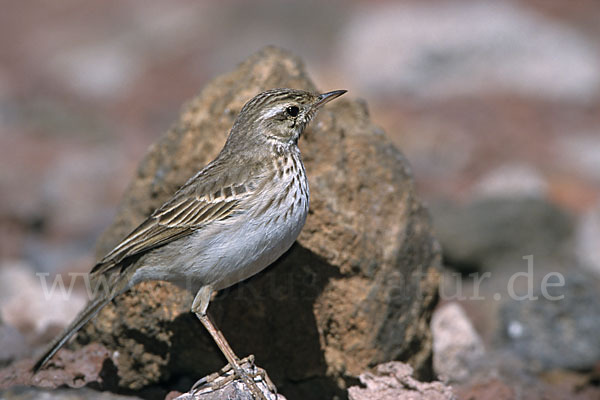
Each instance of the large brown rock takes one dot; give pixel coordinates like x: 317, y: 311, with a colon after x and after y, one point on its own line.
x: 356, y: 290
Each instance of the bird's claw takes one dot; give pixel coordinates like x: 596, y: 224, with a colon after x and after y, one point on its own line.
x: 227, y: 374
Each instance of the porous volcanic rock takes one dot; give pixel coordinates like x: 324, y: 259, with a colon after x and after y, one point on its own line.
x: 357, y: 289
x: 394, y: 381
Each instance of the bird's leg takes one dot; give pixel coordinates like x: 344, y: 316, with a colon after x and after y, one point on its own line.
x: 199, y: 307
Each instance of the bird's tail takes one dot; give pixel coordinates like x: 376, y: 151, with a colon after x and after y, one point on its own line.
x: 81, y: 319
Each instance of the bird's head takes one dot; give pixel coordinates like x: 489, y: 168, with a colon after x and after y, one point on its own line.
x: 279, y: 115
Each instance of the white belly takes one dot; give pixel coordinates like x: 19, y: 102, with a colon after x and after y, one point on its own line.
x: 229, y: 251
x: 259, y: 244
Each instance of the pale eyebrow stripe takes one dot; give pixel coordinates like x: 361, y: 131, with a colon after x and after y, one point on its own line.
x: 270, y: 112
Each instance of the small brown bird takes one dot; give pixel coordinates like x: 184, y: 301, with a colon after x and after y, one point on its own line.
x: 229, y: 221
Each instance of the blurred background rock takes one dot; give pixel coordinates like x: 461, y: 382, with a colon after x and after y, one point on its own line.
x: 496, y: 104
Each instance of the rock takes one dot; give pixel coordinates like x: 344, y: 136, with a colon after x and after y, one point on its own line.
x: 559, y: 329
x: 89, y: 365
x: 582, y: 152
x: 577, y: 385
x: 492, y: 389
x: 394, y: 381
x: 444, y: 50
x: 12, y: 344
x: 457, y: 347
x: 34, y: 302
x: 33, y: 393
x: 357, y: 288
x: 512, y: 181
x: 587, y: 246
x: 235, y: 391
x: 497, y: 232
x: 555, y: 385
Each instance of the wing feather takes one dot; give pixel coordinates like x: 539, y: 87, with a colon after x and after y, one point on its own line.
x: 199, y: 202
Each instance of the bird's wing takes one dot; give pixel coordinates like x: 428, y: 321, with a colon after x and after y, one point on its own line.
x: 202, y: 200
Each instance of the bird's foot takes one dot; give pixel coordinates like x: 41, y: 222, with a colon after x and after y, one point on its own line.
x: 254, y: 377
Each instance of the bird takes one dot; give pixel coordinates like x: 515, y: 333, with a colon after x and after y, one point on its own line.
x: 229, y: 221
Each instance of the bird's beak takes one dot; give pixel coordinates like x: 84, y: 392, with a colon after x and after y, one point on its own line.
x: 327, y: 97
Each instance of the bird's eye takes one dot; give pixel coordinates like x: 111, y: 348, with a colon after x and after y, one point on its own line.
x: 293, y: 111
